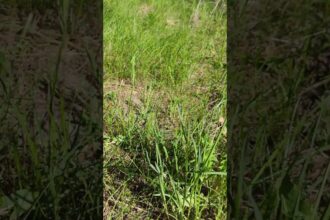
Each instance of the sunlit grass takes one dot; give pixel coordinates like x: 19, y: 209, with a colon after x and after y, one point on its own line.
x: 164, y: 109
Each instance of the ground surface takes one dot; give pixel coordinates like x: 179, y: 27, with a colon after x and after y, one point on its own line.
x: 164, y: 109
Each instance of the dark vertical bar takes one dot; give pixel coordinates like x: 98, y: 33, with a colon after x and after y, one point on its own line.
x: 278, y: 109
x: 51, y: 109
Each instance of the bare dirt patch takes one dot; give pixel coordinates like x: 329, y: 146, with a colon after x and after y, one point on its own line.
x: 145, y: 9
x: 123, y: 94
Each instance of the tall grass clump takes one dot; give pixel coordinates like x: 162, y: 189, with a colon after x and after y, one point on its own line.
x: 186, y: 170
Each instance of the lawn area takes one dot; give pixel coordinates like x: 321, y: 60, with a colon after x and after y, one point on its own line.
x: 165, y: 109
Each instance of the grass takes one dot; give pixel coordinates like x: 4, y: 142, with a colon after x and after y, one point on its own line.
x: 278, y: 115
x: 164, y: 109
x: 45, y: 130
